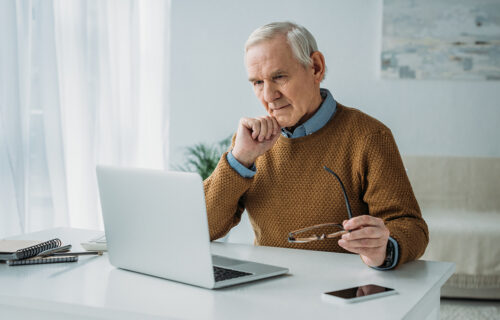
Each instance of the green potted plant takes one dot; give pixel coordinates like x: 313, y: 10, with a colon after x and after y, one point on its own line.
x: 203, y: 157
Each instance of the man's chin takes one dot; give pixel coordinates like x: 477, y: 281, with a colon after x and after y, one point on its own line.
x: 285, y: 123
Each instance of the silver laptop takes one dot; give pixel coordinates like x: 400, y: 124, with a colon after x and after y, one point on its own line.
x: 156, y: 223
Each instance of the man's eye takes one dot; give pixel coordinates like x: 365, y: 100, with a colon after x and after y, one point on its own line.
x: 279, y: 77
x: 258, y: 83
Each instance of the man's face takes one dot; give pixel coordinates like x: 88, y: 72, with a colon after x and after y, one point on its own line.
x: 285, y: 87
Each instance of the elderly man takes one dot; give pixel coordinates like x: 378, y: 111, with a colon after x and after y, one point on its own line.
x: 275, y: 167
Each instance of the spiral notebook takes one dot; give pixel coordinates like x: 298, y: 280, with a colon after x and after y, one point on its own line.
x: 23, y: 249
x: 40, y: 260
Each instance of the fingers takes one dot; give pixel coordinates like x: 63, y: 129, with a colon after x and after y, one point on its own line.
x: 276, y: 126
x: 256, y: 128
x: 362, y: 243
x: 366, y: 233
x: 263, y: 128
x: 266, y: 128
x: 363, y: 221
x: 369, y: 252
x: 252, y: 125
x: 368, y: 237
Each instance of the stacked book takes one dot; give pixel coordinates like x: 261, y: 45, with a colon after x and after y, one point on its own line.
x: 22, y: 252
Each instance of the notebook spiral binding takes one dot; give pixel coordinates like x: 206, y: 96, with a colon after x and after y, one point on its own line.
x: 37, y: 260
x: 36, y: 249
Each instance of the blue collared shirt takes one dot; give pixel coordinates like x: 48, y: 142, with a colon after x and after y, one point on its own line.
x: 324, y: 113
x: 316, y: 122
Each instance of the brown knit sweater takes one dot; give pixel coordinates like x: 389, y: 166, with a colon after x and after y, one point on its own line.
x: 291, y: 190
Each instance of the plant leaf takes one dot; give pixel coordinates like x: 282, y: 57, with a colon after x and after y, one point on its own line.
x: 203, y: 158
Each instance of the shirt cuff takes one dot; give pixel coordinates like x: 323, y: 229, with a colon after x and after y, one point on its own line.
x: 241, y: 169
x: 396, y: 256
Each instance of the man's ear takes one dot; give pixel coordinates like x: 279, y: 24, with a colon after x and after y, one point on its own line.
x: 318, y: 65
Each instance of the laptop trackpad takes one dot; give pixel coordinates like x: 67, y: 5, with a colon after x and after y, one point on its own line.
x: 225, y: 262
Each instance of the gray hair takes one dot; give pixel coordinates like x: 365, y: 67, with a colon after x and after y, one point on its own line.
x: 299, y: 38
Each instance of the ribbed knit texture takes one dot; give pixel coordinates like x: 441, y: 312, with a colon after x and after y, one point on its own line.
x: 291, y: 190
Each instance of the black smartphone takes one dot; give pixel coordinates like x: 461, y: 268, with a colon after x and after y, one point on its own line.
x: 361, y: 293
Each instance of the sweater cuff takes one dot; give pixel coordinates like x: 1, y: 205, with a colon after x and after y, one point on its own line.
x: 395, y: 258
x: 241, y: 169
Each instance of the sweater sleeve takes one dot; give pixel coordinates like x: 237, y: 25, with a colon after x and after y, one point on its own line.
x: 224, y: 196
x: 388, y: 193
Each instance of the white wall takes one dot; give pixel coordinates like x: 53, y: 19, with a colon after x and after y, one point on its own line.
x: 209, y: 90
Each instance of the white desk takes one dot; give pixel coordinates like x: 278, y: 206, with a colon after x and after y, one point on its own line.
x: 92, y: 288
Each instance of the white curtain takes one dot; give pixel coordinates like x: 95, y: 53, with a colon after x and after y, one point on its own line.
x: 81, y: 83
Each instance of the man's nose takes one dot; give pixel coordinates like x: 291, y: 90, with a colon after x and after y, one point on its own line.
x: 271, y: 92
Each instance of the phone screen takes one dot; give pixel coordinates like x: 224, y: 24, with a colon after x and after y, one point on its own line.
x: 356, y: 292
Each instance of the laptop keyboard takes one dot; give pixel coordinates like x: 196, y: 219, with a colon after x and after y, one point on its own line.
x: 226, y: 274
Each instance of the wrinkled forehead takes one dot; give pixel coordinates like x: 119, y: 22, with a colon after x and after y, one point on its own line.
x: 270, y: 55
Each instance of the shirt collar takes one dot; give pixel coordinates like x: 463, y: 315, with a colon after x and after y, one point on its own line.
x: 318, y: 120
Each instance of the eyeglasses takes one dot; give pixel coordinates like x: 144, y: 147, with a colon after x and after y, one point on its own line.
x: 334, y: 229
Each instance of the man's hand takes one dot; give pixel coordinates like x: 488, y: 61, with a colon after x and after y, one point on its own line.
x: 368, y: 238
x: 254, y: 137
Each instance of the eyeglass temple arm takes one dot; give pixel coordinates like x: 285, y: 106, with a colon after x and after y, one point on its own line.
x: 349, y: 212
